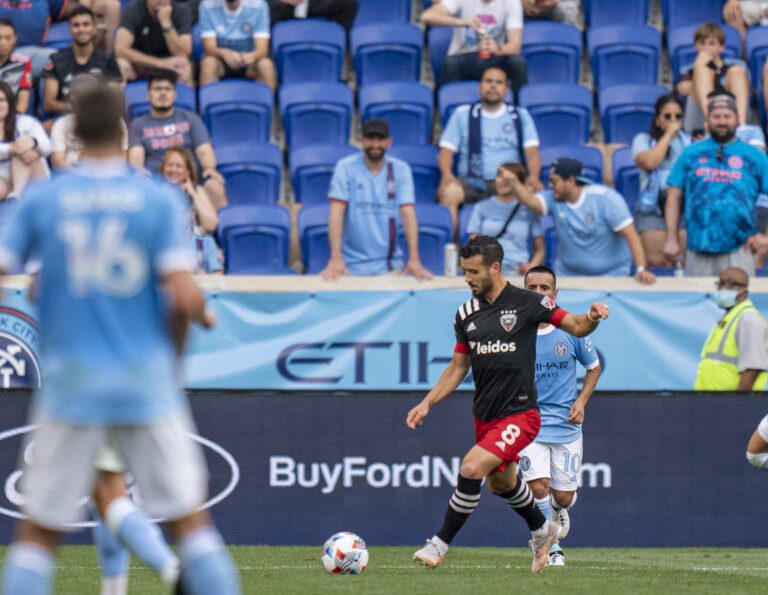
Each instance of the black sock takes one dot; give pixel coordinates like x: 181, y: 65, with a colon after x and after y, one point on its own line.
x: 463, y: 502
x: 522, y: 502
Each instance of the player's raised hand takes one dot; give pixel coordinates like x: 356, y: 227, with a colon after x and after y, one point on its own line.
x: 598, y: 310
x: 416, y: 415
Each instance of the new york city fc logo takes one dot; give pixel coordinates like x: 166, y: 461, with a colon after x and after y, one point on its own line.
x: 19, y: 340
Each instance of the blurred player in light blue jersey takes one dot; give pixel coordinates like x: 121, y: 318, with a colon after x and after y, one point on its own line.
x: 551, y: 463
x: 109, y: 242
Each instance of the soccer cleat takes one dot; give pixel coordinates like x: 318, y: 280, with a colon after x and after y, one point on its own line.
x: 556, y: 558
x: 562, y: 519
x: 430, y: 555
x: 541, y: 544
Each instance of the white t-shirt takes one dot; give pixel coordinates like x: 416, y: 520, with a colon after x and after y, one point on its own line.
x: 63, y: 138
x: 498, y: 16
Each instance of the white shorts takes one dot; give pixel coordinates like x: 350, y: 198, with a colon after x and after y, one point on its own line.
x: 559, y: 463
x: 168, y: 468
x: 762, y: 428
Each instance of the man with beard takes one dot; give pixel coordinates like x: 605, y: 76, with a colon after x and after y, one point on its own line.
x: 721, y: 178
x: 496, y: 332
x: 371, y: 193
x: 486, y: 135
x: 167, y: 126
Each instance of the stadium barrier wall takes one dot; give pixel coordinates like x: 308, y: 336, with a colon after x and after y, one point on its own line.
x: 658, y: 470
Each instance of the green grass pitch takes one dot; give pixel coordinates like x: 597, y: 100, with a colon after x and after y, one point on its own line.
x: 467, y: 571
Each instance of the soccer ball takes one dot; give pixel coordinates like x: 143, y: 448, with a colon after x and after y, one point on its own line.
x: 344, y: 553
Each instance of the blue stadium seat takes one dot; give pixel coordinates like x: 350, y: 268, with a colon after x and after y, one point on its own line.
x: 370, y: 12
x: 662, y: 271
x: 452, y: 95
x: 552, y: 51
x: 255, y: 239
x: 590, y: 157
x: 465, y: 214
x: 423, y: 162
x: 757, y: 50
x: 137, y: 102
x: 307, y: 50
x: 58, y: 36
x: 626, y: 110
x: 252, y: 173
x: 626, y: 175
x: 316, y: 113
x: 197, y: 42
x: 407, y: 108
x: 312, y: 168
x: 237, y: 111
x: 313, y: 235
x: 550, y: 243
x: 624, y: 54
x: 687, y: 12
x: 681, y: 50
x: 563, y: 113
x: 387, y: 52
x: 438, y: 42
x: 610, y: 12
x: 435, y: 231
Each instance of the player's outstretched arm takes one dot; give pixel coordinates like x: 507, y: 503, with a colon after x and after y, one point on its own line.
x: 449, y: 380
x: 580, y: 325
x: 576, y: 415
x: 187, y: 305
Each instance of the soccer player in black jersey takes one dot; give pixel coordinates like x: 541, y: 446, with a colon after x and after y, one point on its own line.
x: 496, y: 335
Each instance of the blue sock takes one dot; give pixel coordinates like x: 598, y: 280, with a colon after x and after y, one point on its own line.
x: 208, y: 568
x: 115, y: 559
x: 546, y: 510
x: 134, y: 528
x: 28, y: 570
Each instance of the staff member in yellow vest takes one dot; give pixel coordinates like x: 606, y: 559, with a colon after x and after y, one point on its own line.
x: 734, y: 356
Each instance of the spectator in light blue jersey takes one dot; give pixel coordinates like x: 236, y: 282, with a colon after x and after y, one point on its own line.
x: 236, y: 41
x: 109, y: 241
x: 721, y: 178
x: 485, y: 135
x: 550, y: 464
x: 596, y: 235
x: 371, y: 195
x: 505, y: 218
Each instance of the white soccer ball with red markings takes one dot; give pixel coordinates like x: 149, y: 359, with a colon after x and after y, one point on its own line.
x: 345, y: 553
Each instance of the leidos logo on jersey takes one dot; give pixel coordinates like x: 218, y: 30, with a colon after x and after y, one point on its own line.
x: 497, y: 346
x: 18, y: 340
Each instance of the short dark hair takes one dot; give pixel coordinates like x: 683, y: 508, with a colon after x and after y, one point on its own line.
x: 541, y: 269
x: 162, y: 74
x: 518, y: 169
x: 486, y: 69
x: 8, y: 23
x: 80, y: 10
x: 486, y: 246
x: 98, y: 115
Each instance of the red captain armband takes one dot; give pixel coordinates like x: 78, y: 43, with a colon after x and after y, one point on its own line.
x: 557, y: 317
x: 462, y: 348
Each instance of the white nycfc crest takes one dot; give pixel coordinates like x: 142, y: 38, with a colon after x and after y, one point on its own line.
x: 561, y: 349
x: 508, y: 319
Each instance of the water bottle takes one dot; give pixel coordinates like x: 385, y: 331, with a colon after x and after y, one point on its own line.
x: 481, y: 35
x: 679, y: 272
x: 451, y: 265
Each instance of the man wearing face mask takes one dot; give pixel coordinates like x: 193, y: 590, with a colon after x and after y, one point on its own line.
x: 734, y: 355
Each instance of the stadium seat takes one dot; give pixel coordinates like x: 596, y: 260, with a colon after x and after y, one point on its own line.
x: 438, y: 42
x: 313, y: 235
x: 682, y: 51
x: 387, y: 52
x: 757, y: 50
x: 371, y: 12
x: 550, y: 243
x: 255, y: 239
x: 452, y: 95
x: 624, y: 54
x: 552, y: 51
x: 626, y: 110
x: 626, y: 175
x: 661, y: 271
x: 465, y: 214
x: 237, y: 111
x: 563, y: 113
x: 590, y: 157
x: 423, y: 162
x: 197, y: 43
x: 407, y: 108
x: 137, y: 102
x: 435, y: 231
x: 307, y: 50
x: 252, y: 173
x: 688, y: 12
x: 58, y: 36
x: 311, y: 170
x: 610, y: 12
x: 316, y: 113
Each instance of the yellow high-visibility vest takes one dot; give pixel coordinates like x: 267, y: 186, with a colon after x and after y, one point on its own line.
x: 718, y: 366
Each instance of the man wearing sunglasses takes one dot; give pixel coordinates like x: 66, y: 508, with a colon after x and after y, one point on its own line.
x: 734, y: 355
